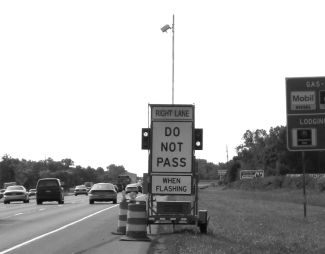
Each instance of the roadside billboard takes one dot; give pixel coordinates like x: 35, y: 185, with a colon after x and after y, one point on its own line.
x: 250, y: 174
x: 305, y: 99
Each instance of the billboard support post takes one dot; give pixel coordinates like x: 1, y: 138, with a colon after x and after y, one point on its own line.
x: 304, y: 183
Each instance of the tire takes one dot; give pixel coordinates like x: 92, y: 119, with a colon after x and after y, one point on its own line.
x: 204, y: 228
x: 91, y: 202
x: 39, y: 202
x: 114, y: 201
x: 5, y: 202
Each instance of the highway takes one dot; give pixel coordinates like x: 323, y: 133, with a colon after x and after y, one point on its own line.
x: 74, y: 227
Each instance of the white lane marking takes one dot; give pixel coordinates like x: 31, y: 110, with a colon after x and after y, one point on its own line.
x: 11, y: 216
x: 55, y: 230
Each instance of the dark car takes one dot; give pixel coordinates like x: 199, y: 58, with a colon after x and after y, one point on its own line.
x: 102, y: 192
x: 80, y: 190
x: 140, y: 187
x: 32, y: 192
x: 1, y: 193
x: 120, y: 187
x: 49, y: 189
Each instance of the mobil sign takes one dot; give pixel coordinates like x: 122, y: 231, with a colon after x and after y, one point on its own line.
x: 172, y: 138
x: 305, y: 113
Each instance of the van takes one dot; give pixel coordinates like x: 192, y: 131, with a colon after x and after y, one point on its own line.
x: 49, y: 189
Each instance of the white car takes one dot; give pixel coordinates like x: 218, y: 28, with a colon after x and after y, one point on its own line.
x: 102, y: 192
x: 80, y: 189
x: 15, y: 193
x: 133, y: 187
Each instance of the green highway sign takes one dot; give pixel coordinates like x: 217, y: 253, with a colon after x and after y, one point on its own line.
x: 305, y: 99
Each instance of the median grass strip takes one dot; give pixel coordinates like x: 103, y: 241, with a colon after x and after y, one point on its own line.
x: 253, y: 222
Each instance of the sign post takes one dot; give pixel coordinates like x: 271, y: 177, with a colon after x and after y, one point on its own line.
x: 305, y: 99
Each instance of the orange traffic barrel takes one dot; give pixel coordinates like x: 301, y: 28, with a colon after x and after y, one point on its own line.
x: 136, y: 227
x: 122, y: 218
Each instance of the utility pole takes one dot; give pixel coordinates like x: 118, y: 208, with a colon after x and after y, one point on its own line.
x: 227, y: 152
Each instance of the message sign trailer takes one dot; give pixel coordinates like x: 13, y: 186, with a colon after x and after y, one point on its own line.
x: 305, y: 104
x: 172, y: 171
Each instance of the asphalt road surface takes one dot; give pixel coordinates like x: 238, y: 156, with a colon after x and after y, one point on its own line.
x: 74, y: 227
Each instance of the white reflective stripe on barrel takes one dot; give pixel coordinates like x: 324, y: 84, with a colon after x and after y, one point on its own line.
x: 136, y: 227
x: 132, y: 214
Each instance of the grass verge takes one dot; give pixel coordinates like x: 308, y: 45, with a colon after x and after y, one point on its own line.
x: 253, y: 222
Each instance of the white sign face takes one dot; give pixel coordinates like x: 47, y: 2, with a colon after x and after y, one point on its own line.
x: 172, y: 147
x: 171, y: 184
x: 222, y: 172
x: 303, y: 100
x: 250, y: 174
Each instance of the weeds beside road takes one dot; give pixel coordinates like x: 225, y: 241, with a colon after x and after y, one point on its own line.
x: 254, y: 222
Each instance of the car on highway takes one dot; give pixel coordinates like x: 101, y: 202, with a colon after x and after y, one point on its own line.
x: 132, y: 187
x: 80, y: 190
x: 32, y: 192
x: 1, y: 193
x: 140, y: 187
x: 49, y: 189
x: 120, y: 187
x: 15, y: 193
x: 102, y: 192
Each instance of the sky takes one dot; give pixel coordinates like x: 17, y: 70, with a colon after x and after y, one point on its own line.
x: 76, y: 77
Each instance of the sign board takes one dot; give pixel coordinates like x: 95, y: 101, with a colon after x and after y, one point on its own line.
x: 171, y: 156
x: 316, y: 176
x: 222, y: 172
x: 174, y: 207
x: 171, y: 184
x: 305, y: 113
x: 250, y: 174
x: 172, y: 113
x: 172, y: 147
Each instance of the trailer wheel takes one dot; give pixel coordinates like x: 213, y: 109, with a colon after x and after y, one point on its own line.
x: 204, y: 228
x: 203, y: 221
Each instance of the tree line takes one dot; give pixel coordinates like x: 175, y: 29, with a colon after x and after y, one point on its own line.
x: 260, y: 149
x: 27, y: 172
x: 267, y: 150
